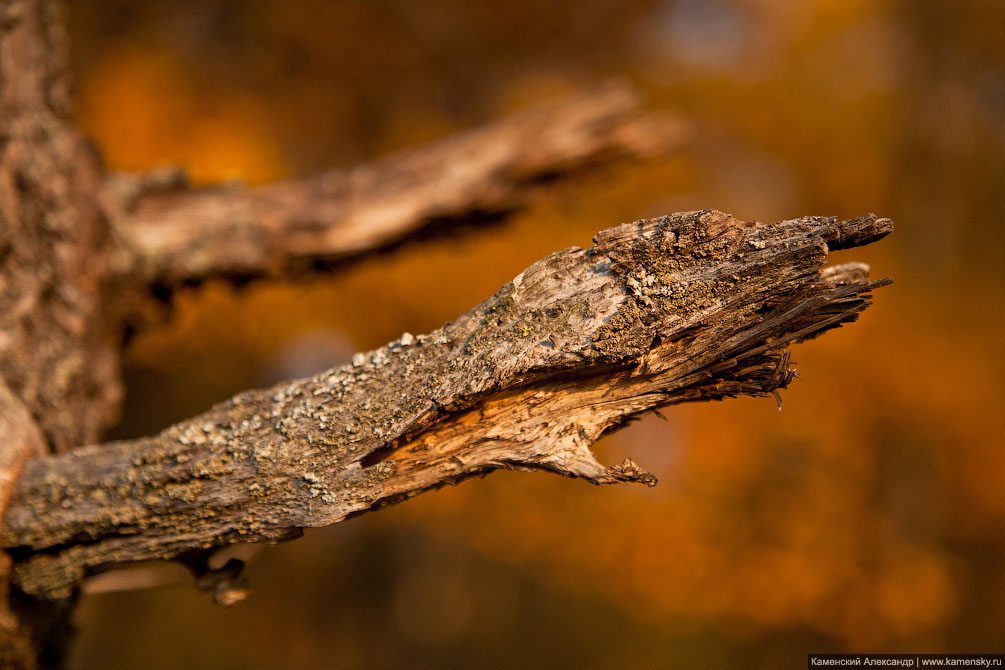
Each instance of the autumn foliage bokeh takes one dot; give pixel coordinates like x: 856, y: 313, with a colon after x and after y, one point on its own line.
x: 869, y: 515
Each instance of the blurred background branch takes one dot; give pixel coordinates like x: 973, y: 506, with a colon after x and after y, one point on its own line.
x: 183, y: 235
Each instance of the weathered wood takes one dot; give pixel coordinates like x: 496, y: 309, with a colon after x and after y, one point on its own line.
x: 177, y: 234
x: 692, y: 306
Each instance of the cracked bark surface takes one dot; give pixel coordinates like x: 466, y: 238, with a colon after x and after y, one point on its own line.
x: 692, y: 306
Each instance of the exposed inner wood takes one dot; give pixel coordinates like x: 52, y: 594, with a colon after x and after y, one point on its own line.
x: 691, y: 306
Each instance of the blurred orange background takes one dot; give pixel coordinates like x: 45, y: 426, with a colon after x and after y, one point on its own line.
x: 869, y: 515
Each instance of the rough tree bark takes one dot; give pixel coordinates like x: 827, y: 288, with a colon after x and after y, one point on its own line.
x: 688, y: 307
x: 693, y: 306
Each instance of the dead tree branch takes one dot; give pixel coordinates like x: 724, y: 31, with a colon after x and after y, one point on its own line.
x: 694, y: 306
x: 177, y: 234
